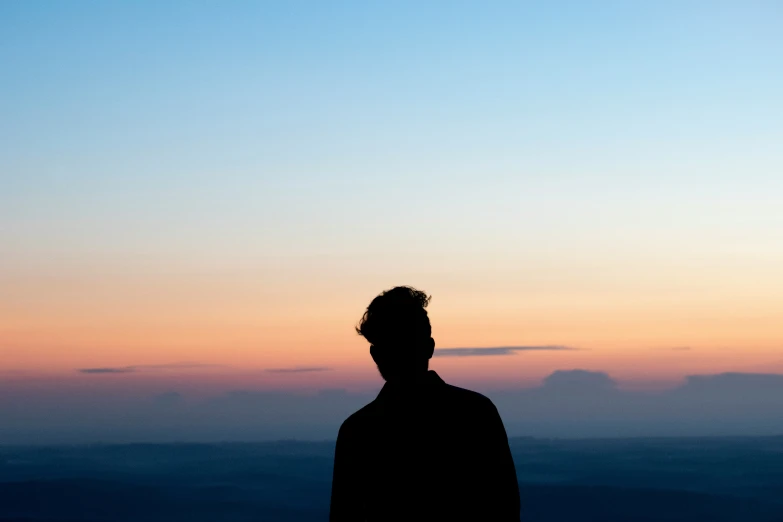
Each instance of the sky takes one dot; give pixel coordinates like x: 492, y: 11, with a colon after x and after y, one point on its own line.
x: 206, y: 196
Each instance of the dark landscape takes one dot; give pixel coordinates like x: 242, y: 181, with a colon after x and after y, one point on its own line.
x: 622, y: 480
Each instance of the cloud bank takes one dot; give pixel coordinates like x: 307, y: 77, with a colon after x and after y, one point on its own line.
x: 147, y: 367
x: 495, y: 350
x: 300, y: 369
x: 572, y: 403
x: 127, y: 369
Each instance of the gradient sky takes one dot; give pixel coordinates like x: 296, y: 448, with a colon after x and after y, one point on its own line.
x: 231, y: 183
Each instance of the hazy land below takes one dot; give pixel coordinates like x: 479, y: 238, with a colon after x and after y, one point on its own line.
x: 623, y: 480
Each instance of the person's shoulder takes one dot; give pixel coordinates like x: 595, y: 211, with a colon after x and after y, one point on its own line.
x: 469, y: 398
x: 358, y: 420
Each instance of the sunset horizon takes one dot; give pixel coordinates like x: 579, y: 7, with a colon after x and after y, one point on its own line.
x: 199, y: 201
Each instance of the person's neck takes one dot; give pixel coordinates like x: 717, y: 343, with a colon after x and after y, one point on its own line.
x: 409, y: 379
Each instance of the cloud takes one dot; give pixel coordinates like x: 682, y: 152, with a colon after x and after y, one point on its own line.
x: 579, y: 380
x: 300, y: 369
x: 734, y: 383
x: 127, y: 369
x: 145, y: 367
x: 496, y: 350
x: 175, y: 366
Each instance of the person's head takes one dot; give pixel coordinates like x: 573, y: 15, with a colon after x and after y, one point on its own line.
x: 398, y: 329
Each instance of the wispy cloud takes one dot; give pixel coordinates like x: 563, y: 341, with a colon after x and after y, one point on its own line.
x: 671, y: 348
x: 147, y: 367
x: 300, y: 369
x: 176, y: 366
x: 128, y: 369
x: 496, y: 350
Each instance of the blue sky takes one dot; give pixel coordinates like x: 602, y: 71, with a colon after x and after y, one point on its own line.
x: 357, y: 92
x: 243, y: 111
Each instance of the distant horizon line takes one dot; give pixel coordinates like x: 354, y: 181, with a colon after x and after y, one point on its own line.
x: 248, y: 442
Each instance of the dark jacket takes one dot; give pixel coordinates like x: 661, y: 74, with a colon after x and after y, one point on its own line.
x: 429, y: 451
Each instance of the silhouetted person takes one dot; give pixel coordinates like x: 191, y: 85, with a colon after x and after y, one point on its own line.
x: 423, y: 449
